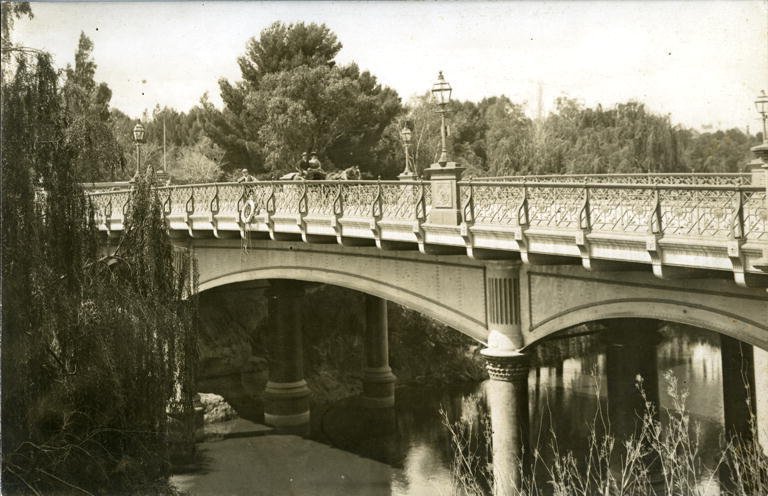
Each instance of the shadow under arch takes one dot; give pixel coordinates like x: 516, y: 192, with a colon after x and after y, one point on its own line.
x: 713, y: 319
x: 451, y: 317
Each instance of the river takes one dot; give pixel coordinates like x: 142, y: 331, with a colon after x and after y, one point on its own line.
x: 570, y: 382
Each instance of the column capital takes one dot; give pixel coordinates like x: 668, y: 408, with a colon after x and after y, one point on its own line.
x: 508, y: 367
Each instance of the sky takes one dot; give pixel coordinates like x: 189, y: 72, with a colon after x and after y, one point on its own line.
x: 703, y: 63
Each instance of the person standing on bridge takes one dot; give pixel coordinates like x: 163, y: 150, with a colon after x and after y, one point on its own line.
x: 315, y: 170
x: 245, y: 177
x: 303, y: 166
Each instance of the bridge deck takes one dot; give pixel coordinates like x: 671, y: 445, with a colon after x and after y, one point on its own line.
x: 679, y: 225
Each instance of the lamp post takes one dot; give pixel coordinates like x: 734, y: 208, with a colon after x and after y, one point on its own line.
x: 761, y: 150
x: 441, y: 90
x: 405, y: 135
x: 760, y: 164
x: 138, y: 137
x: 761, y: 104
x: 444, y: 176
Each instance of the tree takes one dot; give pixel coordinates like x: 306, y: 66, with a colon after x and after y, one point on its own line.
x: 294, y: 98
x: 200, y: 163
x: 99, y: 156
x: 94, y: 348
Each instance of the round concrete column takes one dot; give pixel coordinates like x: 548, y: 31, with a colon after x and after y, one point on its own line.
x: 378, y: 379
x: 286, y: 395
x: 507, y: 394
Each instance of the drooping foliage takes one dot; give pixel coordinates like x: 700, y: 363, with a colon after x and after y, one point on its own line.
x: 97, y: 351
x: 294, y: 98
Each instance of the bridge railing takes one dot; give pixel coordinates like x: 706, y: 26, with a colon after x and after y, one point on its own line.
x: 720, y: 211
x: 725, y: 210
x: 736, y: 179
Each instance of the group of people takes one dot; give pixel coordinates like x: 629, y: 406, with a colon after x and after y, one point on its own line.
x: 309, y: 167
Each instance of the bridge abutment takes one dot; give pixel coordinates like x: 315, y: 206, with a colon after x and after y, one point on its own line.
x: 286, y: 395
x: 378, y: 379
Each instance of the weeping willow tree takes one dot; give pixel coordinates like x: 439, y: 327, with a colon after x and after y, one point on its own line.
x: 98, y: 341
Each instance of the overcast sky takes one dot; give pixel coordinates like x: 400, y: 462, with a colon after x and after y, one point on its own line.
x: 702, y: 62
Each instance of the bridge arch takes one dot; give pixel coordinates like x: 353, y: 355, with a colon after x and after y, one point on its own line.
x: 409, y: 298
x: 715, y: 319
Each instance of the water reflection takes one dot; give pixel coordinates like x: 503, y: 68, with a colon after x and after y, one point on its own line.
x: 573, y: 382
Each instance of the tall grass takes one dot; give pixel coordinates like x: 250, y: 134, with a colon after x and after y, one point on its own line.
x: 658, y: 459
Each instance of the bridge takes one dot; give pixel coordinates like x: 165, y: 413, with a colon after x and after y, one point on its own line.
x: 507, y: 261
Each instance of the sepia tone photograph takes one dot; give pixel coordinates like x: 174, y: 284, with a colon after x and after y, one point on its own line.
x: 384, y: 248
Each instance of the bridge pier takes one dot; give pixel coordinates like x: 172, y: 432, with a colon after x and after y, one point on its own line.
x: 507, y: 396
x: 507, y: 391
x: 378, y: 379
x: 738, y: 365
x: 286, y: 395
x: 630, y: 357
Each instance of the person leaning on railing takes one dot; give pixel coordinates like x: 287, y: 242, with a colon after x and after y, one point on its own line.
x: 245, y: 177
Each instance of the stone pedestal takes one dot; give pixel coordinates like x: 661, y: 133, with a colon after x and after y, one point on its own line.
x: 378, y: 379
x: 507, y: 396
x: 286, y: 395
x: 446, y: 201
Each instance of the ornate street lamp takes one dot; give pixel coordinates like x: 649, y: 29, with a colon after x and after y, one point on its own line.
x: 138, y: 137
x: 761, y: 104
x: 760, y: 164
x: 441, y: 90
x: 405, y: 135
x: 761, y: 150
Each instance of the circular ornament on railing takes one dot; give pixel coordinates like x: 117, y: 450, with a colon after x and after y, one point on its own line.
x: 248, y: 210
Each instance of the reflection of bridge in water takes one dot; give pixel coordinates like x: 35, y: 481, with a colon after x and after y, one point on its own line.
x: 507, y: 262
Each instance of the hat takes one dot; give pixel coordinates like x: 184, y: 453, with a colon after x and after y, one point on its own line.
x: 244, y: 171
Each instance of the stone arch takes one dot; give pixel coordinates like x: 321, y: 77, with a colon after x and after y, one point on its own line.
x: 359, y: 282
x: 715, y: 319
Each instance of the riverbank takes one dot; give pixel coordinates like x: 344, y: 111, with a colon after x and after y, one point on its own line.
x: 252, y: 460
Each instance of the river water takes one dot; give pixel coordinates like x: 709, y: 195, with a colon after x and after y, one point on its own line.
x: 570, y: 382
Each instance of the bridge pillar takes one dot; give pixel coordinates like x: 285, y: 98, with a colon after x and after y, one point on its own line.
x: 507, y: 396
x: 630, y: 355
x: 738, y: 365
x: 286, y: 395
x: 378, y: 379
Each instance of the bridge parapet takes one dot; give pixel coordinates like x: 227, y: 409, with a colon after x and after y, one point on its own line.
x: 707, y: 222
x: 676, y: 179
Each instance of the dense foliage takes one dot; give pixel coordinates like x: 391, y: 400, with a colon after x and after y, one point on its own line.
x: 294, y: 98
x: 495, y: 138
x: 97, y: 351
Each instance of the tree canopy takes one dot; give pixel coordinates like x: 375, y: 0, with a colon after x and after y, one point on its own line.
x: 294, y: 98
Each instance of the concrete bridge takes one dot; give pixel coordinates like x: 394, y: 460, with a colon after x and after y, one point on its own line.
x: 507, y: 262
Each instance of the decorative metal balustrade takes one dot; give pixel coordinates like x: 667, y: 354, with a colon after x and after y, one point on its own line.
x: 736, y: 179
x: 709, y: 206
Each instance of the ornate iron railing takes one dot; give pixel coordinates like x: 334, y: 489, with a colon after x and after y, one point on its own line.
x: 736, y: 179
x: 698, y: 208
x: 683, y: 210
